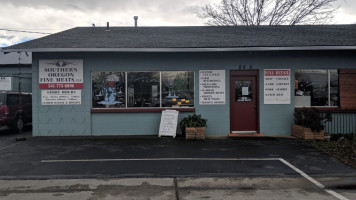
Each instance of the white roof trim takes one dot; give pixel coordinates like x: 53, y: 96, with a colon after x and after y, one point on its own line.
x: 182, y: 49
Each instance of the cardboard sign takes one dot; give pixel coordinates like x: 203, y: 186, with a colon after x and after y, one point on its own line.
x: 169, y: 123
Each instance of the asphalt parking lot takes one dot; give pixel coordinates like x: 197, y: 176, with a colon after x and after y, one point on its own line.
x: 252, y: 168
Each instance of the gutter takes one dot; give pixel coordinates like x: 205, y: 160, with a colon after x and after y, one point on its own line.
x: 219, y: 49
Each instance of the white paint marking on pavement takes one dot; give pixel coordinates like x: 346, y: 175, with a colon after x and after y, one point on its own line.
x: 335, y: 194
x: 5, y: 147
x: 340, y: 197
x: 161, y: 159
x: 302, y: 173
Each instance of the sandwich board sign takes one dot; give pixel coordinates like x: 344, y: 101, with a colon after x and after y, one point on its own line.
x: 169, y: 123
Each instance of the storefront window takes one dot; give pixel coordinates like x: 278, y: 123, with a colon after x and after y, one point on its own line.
x: 142, y: 89
x: 316, y: 88
x: 108, y: 89
x: 243, y: 91
x: 177, y: 89
x: 334, y: 88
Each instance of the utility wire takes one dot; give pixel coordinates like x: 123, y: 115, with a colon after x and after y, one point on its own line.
x: 2, y: 29
x: 31, y: 29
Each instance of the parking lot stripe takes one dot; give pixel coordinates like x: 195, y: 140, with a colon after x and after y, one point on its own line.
x: 335, y: 194
x: 5, y: 147
x: 160, y: 159
x: 306, y: 176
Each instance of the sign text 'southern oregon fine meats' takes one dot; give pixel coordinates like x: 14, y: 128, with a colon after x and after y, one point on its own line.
x: 61, y: 74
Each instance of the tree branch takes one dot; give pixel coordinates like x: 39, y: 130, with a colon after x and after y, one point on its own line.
x: 267, y: 12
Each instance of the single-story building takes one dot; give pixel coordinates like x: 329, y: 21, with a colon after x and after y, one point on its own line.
x: 245, y: 79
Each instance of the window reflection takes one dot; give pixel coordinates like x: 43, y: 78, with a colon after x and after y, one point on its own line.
x: 177, y: 89
x: 312, y: 87
x: 108, y: 89
x: 143, y: 89
x: 334, y: 88
x: 243, y: 91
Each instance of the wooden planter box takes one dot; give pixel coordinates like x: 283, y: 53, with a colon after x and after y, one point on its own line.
x: 306, y: 133
x: 195, y: 133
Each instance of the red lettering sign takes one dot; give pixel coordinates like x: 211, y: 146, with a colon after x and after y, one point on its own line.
x: 277, y: 72
x: 61, y: 85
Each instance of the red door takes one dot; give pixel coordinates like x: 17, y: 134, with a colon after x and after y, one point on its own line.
x: 243, y: 102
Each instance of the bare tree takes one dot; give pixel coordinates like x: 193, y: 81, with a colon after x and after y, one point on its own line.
x: 268, y: 12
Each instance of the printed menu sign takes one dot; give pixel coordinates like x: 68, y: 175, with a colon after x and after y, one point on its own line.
x: 169, y: 122
x: 61, y: 74
x: 61, y: 97
x: 277, y: 86
x: 211, y: 87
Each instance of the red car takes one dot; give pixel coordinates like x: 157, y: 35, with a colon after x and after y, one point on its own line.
x: 15, y: 109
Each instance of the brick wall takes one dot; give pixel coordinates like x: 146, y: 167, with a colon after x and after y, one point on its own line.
x: 347, y: 81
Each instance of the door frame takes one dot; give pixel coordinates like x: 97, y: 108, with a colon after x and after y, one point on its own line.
x: 245, y: 73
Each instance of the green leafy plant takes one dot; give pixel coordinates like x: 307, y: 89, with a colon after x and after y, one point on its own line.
x: 193, y: 121
x: 311, y: 118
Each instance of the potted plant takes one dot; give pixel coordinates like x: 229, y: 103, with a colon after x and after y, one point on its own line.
x: 194, y: 127
x: 309, y: 123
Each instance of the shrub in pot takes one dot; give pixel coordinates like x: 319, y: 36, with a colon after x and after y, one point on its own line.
x: 309, y: 123
x: 193, y: 126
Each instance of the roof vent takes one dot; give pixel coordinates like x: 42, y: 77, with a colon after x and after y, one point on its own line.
x: 135, y: 18
x: 107, y: 26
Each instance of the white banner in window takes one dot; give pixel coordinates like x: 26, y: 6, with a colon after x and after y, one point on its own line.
x: 61, y: 97
x: 277, y: 86
x: 5, y: 83
x: 211, y: 87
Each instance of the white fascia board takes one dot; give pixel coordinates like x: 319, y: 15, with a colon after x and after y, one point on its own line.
x: 182, y: 49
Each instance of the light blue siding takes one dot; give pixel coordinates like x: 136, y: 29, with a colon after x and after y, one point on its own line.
x: 18, y: 73
x: 274, y: 120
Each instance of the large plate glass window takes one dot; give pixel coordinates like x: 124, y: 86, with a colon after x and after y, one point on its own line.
x: 142, y: 89
x: 177, y: 89
x: 108, y: 90
x: 316, y: 87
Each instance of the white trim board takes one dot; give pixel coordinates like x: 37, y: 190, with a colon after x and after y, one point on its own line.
x: 183, y: 49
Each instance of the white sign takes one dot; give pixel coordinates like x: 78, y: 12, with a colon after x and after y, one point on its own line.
x: 5, y: 83
x: 211, y: 87
x: 277, y: 86
x: 169, y: 122
x: 61, y: 74
x: 61, y: 97
x: 245, y: 91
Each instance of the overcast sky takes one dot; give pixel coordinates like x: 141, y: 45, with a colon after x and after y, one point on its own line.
x: 51, y: 16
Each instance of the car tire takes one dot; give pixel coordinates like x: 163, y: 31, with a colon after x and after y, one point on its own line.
x: 18, y: 124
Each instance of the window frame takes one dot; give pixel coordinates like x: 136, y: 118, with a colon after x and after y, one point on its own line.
x: 328, y: 107
x: 127, y: 109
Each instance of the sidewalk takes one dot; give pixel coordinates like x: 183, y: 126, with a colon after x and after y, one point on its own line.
x: 166, y: 188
